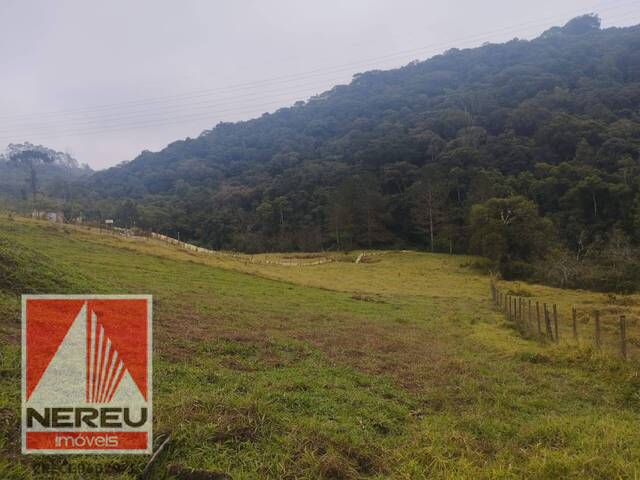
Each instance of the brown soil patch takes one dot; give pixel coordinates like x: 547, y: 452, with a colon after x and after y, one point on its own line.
x: 407, y: 354
x: 412, y: 357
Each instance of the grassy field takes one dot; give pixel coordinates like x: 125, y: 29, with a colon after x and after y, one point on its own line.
x: 397, y: 367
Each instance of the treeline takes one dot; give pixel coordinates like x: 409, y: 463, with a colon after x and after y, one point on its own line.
x: 525, y: 152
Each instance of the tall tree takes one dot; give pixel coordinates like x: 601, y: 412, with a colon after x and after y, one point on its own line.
x: 428, y: 196
x: 31, y: 159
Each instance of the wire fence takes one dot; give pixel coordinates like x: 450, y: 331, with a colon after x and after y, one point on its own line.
x: 611, y: 333
x: 144, y: 235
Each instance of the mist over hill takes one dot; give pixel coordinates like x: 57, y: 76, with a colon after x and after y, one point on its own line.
x: 28, y: 171
x: 549, y: 128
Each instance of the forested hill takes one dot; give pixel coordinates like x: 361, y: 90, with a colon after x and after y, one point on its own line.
x: 400, y: 157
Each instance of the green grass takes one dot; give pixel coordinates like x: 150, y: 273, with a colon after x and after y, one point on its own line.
x: 395, y: 368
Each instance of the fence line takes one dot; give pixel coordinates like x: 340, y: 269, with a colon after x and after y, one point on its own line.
x: 247, y: 258
x: 514, y: 306
x: 128, y: 233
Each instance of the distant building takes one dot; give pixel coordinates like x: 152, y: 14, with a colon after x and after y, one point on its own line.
x: 54, y: 217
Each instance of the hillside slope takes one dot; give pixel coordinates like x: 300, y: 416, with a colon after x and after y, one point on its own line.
x: 399, y: 157
x: 301, y: 376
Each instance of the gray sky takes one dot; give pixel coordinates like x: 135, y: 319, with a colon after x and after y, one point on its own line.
x: 104, y: 80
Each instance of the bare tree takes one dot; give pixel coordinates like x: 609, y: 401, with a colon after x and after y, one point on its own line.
x: 429, y: 196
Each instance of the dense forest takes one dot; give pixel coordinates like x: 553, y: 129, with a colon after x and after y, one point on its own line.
x: 525, y: 152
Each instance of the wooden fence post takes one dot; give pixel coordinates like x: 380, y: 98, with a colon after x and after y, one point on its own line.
x: 547, y: 322
x: 555, y: 322
x: 538, y: 317
x: 623, y: 336
x: 508, y: 307
x: 512, y: 303
x: 598, y: 342
x: 521, y: 311
x: 575, y: 323
x: 529, y: 316
x: 511, y: 312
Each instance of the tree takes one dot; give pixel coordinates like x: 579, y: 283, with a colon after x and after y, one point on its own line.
x: 31, y: 159
x: 370, y: 212
x: 127, y: 215
x: 340, y: 219
x: 510, y: 232
x: 428, y: 197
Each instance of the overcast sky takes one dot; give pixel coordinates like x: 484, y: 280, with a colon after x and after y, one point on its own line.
x: 104, y: 80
